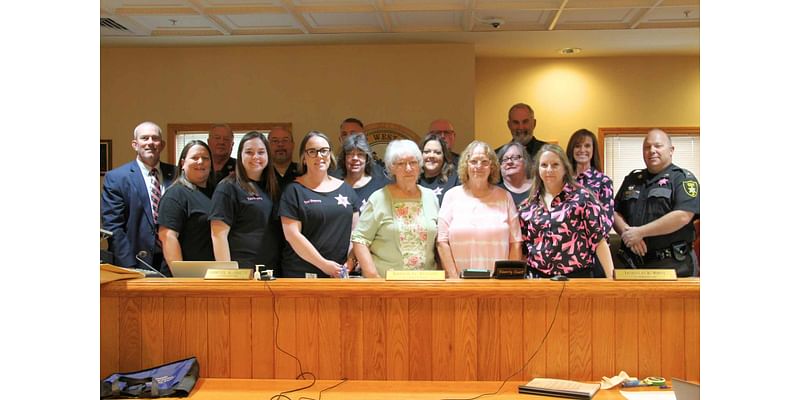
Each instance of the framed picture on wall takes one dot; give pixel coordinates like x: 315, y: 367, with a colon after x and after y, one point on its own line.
x: 105, y: 156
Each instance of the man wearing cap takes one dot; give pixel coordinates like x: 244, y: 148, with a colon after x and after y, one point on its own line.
x: 655, y: 208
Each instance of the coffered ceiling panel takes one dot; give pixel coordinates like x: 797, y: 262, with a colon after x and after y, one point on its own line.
x: 530, y: 26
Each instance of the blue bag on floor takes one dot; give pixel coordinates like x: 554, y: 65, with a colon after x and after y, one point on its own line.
x: 175, y: 379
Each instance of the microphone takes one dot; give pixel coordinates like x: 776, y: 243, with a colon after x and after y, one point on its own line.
x: 139, y: 257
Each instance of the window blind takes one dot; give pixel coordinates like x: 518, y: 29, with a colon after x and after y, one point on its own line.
x: 623, y: 154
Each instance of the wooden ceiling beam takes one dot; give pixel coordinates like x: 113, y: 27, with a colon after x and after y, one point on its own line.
x: 557, y: 16
x: 643, y: 14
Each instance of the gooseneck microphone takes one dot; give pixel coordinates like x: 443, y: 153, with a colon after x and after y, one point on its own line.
x: 143, y: 254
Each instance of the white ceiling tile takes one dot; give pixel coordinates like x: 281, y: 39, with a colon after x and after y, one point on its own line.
x: 612, y: 15
x: 519, y: 16
x: 242, y: 21
x: 163, y: 21
x: 426, y: 19
x: 674, y: 14
x: 322, y: 20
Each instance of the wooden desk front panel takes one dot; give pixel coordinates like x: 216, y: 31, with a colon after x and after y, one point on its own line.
x: 375, y: 330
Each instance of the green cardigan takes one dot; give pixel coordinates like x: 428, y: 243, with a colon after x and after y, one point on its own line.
x: 376, y: 229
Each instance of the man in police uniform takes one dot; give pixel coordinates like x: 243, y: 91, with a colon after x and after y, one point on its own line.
x: 654, y: 210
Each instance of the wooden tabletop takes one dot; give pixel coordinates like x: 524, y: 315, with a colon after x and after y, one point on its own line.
x: 264, y: 389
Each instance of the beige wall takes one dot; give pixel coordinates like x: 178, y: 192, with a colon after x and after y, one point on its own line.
x: 314, y: 87
x: 569, y: 94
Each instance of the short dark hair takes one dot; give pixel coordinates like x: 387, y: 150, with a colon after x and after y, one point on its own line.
x: 352, y: 121
x: 356, y: 142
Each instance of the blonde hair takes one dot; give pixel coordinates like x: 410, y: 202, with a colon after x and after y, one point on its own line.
x: 463, y: 162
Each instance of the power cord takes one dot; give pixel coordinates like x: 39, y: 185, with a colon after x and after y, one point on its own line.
x: 283, y: 395
x: 555, y: 313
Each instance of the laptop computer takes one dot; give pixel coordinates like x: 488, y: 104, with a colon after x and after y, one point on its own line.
x: 685, y: 390
x: 197, y: 269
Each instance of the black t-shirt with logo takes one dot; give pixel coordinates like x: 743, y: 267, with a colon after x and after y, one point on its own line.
x: 439, y: 188
x: 185, y: 210
x: 327, y: 221
x: 253, y: 237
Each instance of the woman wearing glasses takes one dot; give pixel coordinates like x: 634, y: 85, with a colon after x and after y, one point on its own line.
x: 515, y: 167
x: 318, y: 213
x: 242, y: 224
x: 438, y: 170
x: 563, y: 223
x: 397, y: 227
x: 478, y: 221
x: 356, y: 157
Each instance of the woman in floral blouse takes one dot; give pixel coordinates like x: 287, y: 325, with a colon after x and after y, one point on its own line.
x: 584, y: 157
x: 564, y: 226
x: 397, y: 227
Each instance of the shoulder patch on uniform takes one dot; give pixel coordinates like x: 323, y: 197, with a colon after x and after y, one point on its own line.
x: 691, y: 188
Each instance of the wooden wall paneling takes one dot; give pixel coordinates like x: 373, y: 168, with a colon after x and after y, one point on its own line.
x: 130, y: 334
x: 241, y: 337
x: 397, y: 340
x: 307, y: 333
x: 219, y: 337
x: 353, y: 331
x: 580, y: 339
x: 692, y: 337
x: 650, y: 337
x: 626, y: 336
x: 152, y: 332
x: 603, y: 318
x: 286, y: 339
x: 109, y: 335
x: 512, y: 342
x: 263, y: 327
x: 534, y: 326
x: 330, y: 338
x: 673, y: 350
x: 466, y: 339
x: 175, y: 329
x: 374, y: 338
x: 197, y: 331
x: 421, y: 339
x: 489, y: 339
x: 557, y: 348
x: 443, y: 334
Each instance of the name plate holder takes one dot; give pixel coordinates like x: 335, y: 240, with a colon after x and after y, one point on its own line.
x: 645, y: 275
x: 229, y: 274
x: 414, y: 275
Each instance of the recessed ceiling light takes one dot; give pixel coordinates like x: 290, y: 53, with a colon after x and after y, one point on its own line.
x: 570, y: 50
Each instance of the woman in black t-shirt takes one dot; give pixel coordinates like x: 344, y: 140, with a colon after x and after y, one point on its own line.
x: 356, y: 160
x: 242, y: 225
x: 318, y: 213
x: 183, y: 210
x: 438, y: 170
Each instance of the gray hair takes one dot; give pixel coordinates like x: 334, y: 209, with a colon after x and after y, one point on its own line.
x: 397, y: 149
x: 356, y: 142
x: 526, y: 159
x: 146, y: 125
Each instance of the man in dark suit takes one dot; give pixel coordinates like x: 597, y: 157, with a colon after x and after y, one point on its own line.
x: 129, y: 202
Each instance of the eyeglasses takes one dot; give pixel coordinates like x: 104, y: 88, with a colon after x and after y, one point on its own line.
x: 479, y: 163
x: 322, y: 152
x: 406, y: 164
x: 513, y: 158
x: 359, y: 155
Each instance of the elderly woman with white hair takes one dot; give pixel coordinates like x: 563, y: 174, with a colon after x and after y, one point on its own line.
x: 397, y: 227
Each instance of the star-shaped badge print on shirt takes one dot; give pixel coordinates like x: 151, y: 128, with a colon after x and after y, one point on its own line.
x: 342, y: 200
x: 663, y: 181
x: 437, y: 191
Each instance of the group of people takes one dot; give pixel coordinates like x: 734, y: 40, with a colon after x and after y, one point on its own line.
x: 421, y: 207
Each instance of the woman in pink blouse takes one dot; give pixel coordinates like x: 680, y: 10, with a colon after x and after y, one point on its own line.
x: 478, y: 221
x: 564, y: 226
